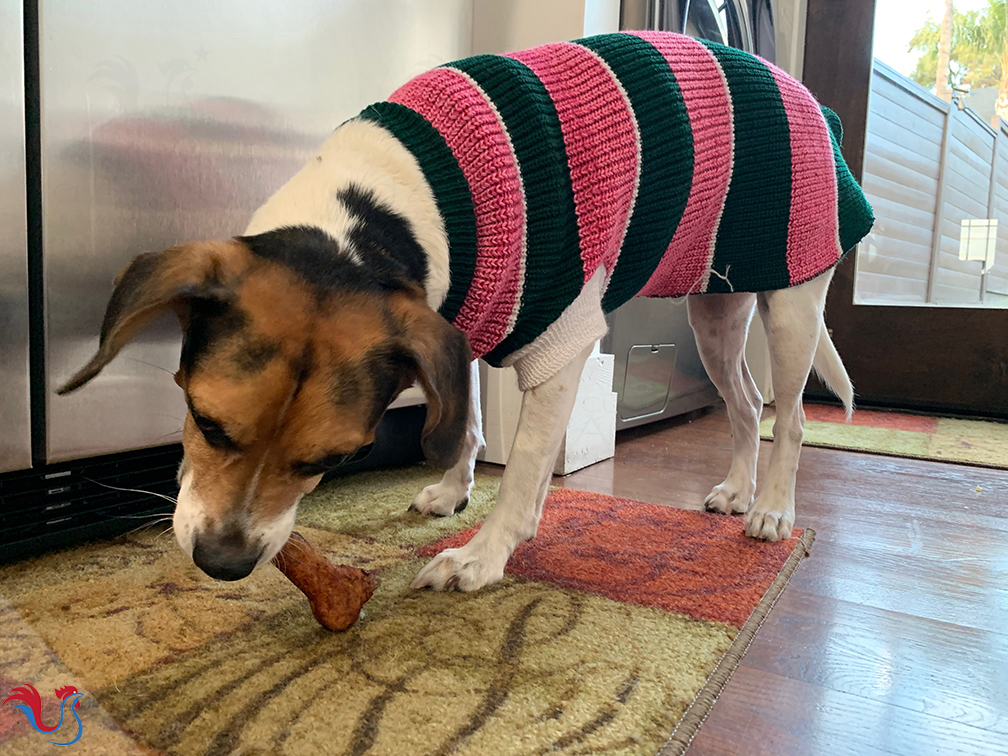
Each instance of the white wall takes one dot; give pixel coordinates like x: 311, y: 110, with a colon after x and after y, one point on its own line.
x: 508, y: 25
x: 601, y: 16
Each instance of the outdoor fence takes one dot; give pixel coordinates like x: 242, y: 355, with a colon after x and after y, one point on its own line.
x: 937, y: 177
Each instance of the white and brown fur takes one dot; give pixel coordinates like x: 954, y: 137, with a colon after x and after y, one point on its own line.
x: 300, y: 333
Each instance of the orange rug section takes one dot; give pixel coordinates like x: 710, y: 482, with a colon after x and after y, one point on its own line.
x: 825, y: 413
x: 676, y: 560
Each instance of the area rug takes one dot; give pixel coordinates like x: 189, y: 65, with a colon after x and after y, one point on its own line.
x: 900, y: 434
x: 612, y: 633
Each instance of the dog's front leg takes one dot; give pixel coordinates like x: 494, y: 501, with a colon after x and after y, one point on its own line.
x: 451, y: 495
x: 544, y: 414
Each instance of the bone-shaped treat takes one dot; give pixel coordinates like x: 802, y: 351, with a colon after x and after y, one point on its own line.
x: 336, y: 593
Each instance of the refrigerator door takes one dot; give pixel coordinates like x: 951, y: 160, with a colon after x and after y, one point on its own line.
x: 167, y: 122
x: 15, y: 432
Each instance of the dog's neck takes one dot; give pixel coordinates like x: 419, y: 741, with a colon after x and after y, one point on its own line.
x: 361, y: 154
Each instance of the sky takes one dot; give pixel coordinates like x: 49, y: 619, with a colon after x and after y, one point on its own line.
x: 897, y: 20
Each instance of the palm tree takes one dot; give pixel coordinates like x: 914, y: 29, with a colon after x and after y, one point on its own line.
x: 944, y: 52
x: 977, y: 51
x: 1001, y: 108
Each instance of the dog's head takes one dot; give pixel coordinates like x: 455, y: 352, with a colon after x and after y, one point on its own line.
x: 292, y: 351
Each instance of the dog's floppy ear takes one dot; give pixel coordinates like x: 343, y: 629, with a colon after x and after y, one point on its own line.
x: 442, y: 356
x: 152, y: 283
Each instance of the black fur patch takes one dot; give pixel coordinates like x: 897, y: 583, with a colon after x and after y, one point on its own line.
x: 382, y: 236
x: 316, y: 257
x: 214, y: 322
x: 210, y: 321
x: 254, y: 354
x: 388, y: 368
x: 301, y: 367
x: 345, y: 385
x: 380, y: 375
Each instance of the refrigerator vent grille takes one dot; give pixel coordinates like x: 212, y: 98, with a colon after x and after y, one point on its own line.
x: 69, y: 502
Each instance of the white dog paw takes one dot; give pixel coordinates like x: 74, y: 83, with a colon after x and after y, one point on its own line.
x: 442, y: 499
x: 461, y: 569
x: 769, y: 520
x: 728, y: 498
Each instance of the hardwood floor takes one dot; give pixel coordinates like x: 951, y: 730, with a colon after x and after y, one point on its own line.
x: 892, y: 638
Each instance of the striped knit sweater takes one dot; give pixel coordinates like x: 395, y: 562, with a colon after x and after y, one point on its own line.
x: 678, y: 166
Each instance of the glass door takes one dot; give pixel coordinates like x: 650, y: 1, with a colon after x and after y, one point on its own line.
x: 936, y: 159
x: 919, y: 311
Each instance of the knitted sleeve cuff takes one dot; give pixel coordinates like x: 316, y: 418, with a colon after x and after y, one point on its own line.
x: 579, y: 326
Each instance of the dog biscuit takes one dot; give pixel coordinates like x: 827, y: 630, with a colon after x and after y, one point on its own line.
x: 336, y: 593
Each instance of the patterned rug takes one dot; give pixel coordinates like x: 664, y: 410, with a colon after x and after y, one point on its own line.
x: 899, y: 434
x: 611, y: 633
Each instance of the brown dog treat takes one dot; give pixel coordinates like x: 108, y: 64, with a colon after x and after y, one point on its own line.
x: 336, y: 593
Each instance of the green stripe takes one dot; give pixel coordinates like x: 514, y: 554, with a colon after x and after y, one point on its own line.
x: 553, y: 270
x: 451, y: 192
x: 752, y: 235
x: 854, y: 212
x: 666, y: 142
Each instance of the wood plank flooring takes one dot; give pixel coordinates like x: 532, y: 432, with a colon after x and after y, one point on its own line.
x: 892, y: 638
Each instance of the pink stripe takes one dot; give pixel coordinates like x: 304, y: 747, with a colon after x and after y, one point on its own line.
x: 462, y: 115
x: 688, y: 256
x: 601, y: 142
x: 812, y: 226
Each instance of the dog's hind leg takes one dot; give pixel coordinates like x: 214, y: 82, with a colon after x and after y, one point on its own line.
x: 793, y: 319
x: 451, y: 495
x: 721, y: 323
x: 545, y: 412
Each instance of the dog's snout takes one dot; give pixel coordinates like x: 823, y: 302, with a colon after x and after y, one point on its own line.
x: 225, y: 557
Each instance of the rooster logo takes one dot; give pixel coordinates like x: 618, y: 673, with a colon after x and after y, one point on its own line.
x: 30, y: 702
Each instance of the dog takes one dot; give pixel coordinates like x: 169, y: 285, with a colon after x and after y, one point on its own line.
x: 498, y: 207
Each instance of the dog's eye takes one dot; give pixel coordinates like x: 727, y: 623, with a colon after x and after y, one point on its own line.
x: 324, y: 465
x: 214, y: 433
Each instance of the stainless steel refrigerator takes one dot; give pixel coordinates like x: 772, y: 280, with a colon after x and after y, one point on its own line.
x: 15, y: 436
x: 149, y: 124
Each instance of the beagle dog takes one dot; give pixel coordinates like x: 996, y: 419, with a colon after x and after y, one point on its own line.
x: 498, y: 207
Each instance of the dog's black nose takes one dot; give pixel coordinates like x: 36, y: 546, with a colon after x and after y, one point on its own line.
x: 225, y: 557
